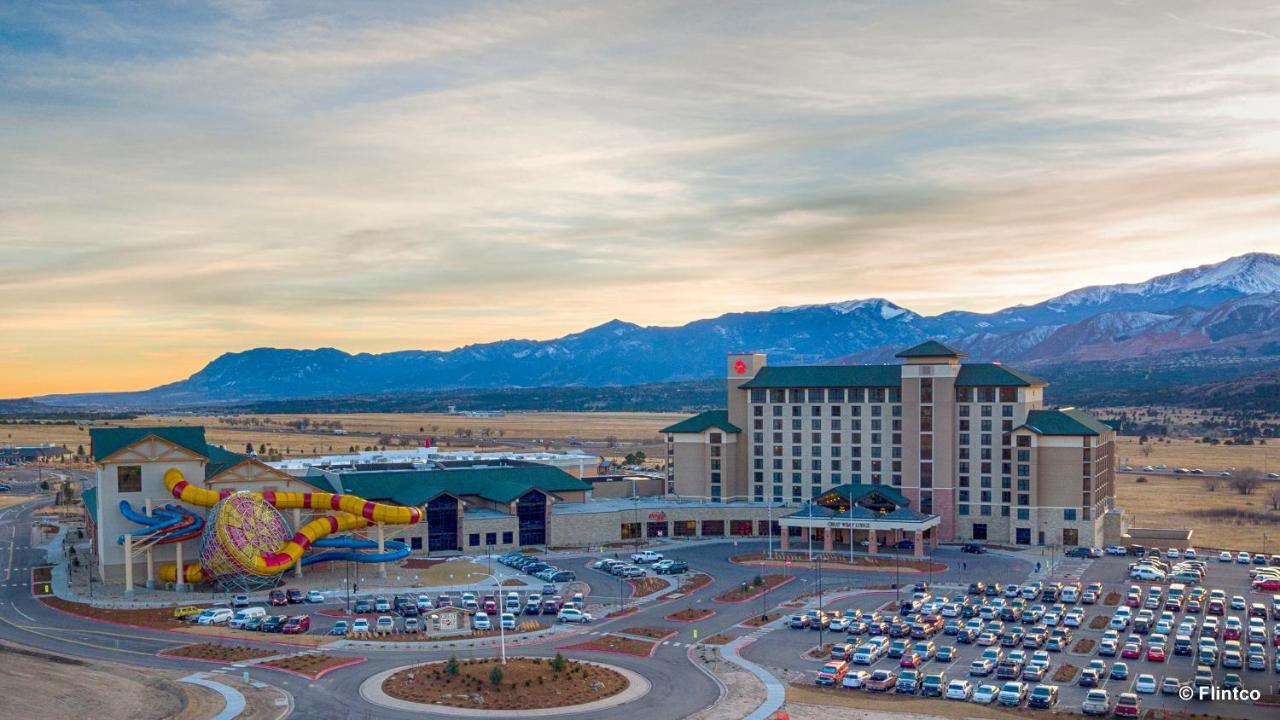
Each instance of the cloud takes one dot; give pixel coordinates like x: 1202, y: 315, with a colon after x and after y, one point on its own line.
x: 209, y: 178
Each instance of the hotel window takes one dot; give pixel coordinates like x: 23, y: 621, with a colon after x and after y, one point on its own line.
x: 1024, y: 485
x: 817, y: 451
x: 816, y: 412
x: 895, y: 395
x: 926, y: 502
x: 964, y: 426
x: 759, y: 395
x: 1024, y: 456
x: 777, y: 412
x: 758, y: 439
x: 926, y: 390
x: 795, y: 395
x: 1008, y: 395
x: 926, y: 418
x: 795, y: 410
x: 964, y: 496
x: 986, y: 438
x: 491, y: 538
x: 1005, y: 483
x: 797, y: 424
x: 1069, y: 514
x: 1024, y: 499
x: 877, y: 410
x: 964, y: 411
x: 835, y: 438
x: 963, y: 466
x: 129, y: 478
x: 815, y: 438
x: 1024, y: 470
x: 926, y: 447
x: 986, y: 395
x: 926, y: 474
x: 964, y: 481
x: 962, y: 509
x: 715, y: 451
x: 835, y: 395
x: 1024, y: 441
x: 1006, y: 411
x: 715, y: 463
x: 985, y: 496
x: 855, y: 411
x: 777, y: 396
x: 835, y: 464
x: 964, y: 395
x: 473, y: 539
x: 1006, y: 497
x: 1024, y: 514
x: 1006, y: 426
x: 876, y: 395
x: 835, y: 424
x: 964, y: 438
x: 986, y: 510
x: 715, y: 494
x: 715, y: 478
x: 855, y: 396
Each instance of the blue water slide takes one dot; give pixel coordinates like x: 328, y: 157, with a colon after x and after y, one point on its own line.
x: 393, y: 550
x: 166, y: 524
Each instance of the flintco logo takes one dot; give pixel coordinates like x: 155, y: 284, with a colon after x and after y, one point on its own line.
x: 1218, y: 694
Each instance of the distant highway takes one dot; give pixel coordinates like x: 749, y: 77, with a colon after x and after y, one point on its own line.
x: 1181, y: 471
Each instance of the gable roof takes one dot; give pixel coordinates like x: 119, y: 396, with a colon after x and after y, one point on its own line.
x: 1066, y: 421
x: 702, y: 422
x: 853, y: 492
x: 826, y: 376
x: 221, y: 460
x: 930, y: 348
x: 994, y: 374
x: 107, y: 441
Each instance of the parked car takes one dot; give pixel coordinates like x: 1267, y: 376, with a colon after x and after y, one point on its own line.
x: 296, y: 625
x: 832, y: 673
x: 959, y: 690
x: 1128, y: 705
x: 855, y: 679
x: 360, y: 625
x: 341, y: 627
x: 1096, y: 702
x: 242, y: 617
x: 273, y: 624
x: 985, y: 694
x: 214, y: 616
x: 294, y: 596
x: 239, y: 600
x: 385, y: 624
x: 676, y: 567
x: 646, y: 556
x: 315, y: 596
x: 1043, y: 697
x: 573, y: 615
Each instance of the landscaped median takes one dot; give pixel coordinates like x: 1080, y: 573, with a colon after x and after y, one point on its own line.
x: 649, y: 585
x: 653, y: 633
x: 691, y: 584
x: 833, y: 561
x: 760, y: 585
x: 616, y: 644
x: 216, y: 653
x: 690, y: 615
x: 311, y: 666
x: 520, y: 684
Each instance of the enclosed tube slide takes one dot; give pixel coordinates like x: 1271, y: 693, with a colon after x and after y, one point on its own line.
x: 169, y: 524
x: 393, y: 550
x: 351, y: 513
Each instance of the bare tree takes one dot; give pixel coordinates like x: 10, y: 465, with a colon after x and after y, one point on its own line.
x: 1273, y: 497
x: 1246, y: 480
x: 1211, y: 483
x: 1147, y: 450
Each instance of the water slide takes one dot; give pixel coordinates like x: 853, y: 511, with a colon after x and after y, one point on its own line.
x: 392, y: 550
x: 166, y: 525
x: 349, y: 513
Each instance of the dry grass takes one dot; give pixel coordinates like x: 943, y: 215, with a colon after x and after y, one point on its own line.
x: 1065, y: 673
x: 449, y: 573
x: 691, y: 615
x: 655, y: 633
x: 223, y: 653
x: 646, y: 586
x: 11, y: 500
x: 616, y: 644
x: 1179, y: 501
x: 718, y: 640
x: 310, y: 664
x: 759, y: 620
x: 897, y: 705
x: 1181, y: 452
x: 46, y: 685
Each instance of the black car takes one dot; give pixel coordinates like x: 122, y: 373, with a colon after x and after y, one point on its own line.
x: 973, y: 548
x: 1078, y: 552
x: 295, y: 596
x: 905, y: 545
x: 977, y: 588
x: 1043, y: 697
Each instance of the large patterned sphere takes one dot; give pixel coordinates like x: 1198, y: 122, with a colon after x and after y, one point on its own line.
x: 239, y: 527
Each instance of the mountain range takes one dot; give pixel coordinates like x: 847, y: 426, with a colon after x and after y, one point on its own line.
x: 1211, y: 324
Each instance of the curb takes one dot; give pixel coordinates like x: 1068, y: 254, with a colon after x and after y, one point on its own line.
x: 789, y: 580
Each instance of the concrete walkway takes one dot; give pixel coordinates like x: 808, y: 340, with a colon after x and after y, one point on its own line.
x: 775, y: 693
x: 233, y: 701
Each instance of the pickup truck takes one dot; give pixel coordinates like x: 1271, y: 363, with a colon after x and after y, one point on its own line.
x: 646, y: 556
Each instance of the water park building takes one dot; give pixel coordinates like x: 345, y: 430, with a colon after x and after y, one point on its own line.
x: 969, y: 443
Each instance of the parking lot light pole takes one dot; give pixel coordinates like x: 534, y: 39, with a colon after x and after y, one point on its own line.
x: 820, y: 611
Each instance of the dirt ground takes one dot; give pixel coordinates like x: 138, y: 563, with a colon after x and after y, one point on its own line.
x: 449, y: 573
x: 804, y: 703
x: 1186, y: 452
x: 50, y: 686
x: 11, y: 500
x: 745, y: 692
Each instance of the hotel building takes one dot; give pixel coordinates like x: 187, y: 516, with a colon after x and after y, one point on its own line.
x: 969, y: 443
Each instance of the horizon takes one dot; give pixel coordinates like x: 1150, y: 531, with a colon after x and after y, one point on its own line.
x: 187, y: 182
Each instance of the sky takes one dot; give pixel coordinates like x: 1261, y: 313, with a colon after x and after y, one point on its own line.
x: 182, y: 180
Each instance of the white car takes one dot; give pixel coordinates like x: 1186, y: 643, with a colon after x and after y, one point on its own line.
x: 239, y: 601
x: 385, y: 624
x: 646, y: 556
x: 1115, y: 550
x: 1172, y: 554
x: 508, y: 621
x: 1225, y: 556
x: 1243, y: 558
x: 214, y: 616
x: 1146, y: 573
x: 855, y: 679
x: 1189, y: 554
x: 411, y: 625
x: 360, y: 625
x: 573, y: 615
x: 381, y: 604
x: 958, y: 690
x: 985, y: 694
x: 1145, y: 684
x: 315, y: 596
x: 481, y: 622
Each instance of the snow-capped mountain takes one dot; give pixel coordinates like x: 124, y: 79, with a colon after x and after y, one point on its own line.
x: 1228, y: 312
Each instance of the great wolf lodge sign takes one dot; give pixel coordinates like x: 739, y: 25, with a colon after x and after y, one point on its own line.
x: 846, y: 525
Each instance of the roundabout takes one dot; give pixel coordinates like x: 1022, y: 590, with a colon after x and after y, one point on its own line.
x: 436, y: 690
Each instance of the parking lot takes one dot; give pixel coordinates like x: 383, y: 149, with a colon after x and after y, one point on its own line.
x: 1112, y: 574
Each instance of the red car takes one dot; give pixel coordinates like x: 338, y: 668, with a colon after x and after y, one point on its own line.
x: 1267, y: 584
x: 911, y: 660
x: 296, y: 625
x: 1216, y: 607
x: 1133, y: 601
x: 277, y: 597
x: 1131, y: 652
x: 1128, y: 705
x: 1155, y: 653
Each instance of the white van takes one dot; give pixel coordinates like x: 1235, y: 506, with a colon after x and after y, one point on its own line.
x: 242, y: 617
x: 1070, y: 594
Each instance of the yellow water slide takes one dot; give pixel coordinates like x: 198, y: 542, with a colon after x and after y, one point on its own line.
x: 349, y: 513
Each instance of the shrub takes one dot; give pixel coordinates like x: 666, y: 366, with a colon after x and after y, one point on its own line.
x: 451, y: 668
x: 558, y: 663
x: 757, y: 581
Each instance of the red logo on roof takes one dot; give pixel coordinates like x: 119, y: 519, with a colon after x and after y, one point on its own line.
x: 739, y: 367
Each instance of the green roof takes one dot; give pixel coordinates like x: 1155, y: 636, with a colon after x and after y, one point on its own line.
x: 499, y: 484
x: 702, y: 422
x: 106, y: 441
x: 930, y: 348
x: 1067, y: 421
x: 853, y: 492
x: 90, y: 498
x: 993, y: 374
x: 220, y: 460
x: 826, y: 376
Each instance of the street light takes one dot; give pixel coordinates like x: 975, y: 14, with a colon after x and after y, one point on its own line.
x: 820, y: 610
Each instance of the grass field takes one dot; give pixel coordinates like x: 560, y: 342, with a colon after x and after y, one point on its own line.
x: 1188, y: 453
x: 1176, y: 501
x: 451, y: 431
